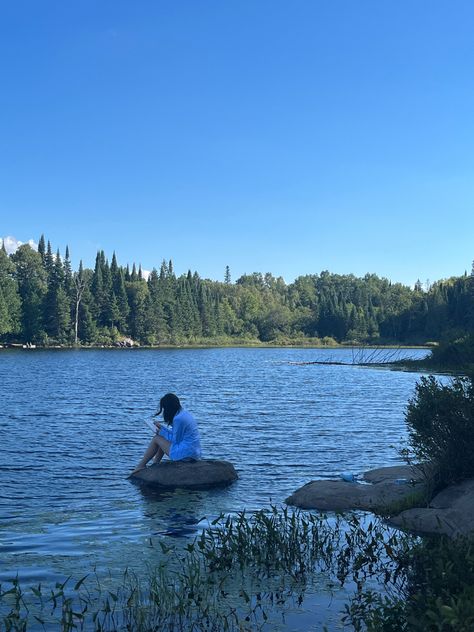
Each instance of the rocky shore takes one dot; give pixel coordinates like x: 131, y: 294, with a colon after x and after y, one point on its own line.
x: 385, y: 491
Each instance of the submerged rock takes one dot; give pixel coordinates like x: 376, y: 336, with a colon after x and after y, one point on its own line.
x: 202, y: 474
x: 386, y: 486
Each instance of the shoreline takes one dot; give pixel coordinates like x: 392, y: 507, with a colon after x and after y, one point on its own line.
x: 210, y: 345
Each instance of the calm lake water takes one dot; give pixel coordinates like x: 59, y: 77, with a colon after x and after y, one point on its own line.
x: 72, y: 427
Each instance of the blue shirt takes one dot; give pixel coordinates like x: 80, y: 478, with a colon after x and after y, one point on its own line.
x: 184, y: 437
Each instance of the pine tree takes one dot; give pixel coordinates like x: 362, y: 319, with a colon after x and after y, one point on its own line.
x: 79, y: 286
x: 155, y: 325
x: 68, y: 281
x: 97, y: 290
x: 227, y: 279
x: 48, y: 261
x: 56, y: 305
x: 42, y: 247
x: 32, y: 288
x: 137, y: 297
x: 10, y: 304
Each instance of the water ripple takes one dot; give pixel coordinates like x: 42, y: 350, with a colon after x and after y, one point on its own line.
x: 72, y: 428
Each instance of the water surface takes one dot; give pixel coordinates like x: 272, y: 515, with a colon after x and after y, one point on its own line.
x: 72, y: 428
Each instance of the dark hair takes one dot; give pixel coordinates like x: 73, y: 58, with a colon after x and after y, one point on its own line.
x: 169, y: 406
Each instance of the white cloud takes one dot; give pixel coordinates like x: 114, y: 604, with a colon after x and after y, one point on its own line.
x: 12, y: 244
x: 145, y: 274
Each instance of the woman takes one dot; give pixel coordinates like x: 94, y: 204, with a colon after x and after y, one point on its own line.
x: 180, y: 442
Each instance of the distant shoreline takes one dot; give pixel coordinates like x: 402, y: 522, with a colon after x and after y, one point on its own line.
x: 210, y: 345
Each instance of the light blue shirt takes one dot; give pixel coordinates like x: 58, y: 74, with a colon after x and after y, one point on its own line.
x: 184, y: 437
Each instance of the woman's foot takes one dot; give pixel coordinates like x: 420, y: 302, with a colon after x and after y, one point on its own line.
x: 136, y: 470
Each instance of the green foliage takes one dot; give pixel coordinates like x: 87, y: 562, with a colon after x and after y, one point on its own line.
x: 31, y: 276
x: 440, y: 419
x: 10, y: 303
x: 41, y: 298
x: 435, y: 579
x: 457, y: 353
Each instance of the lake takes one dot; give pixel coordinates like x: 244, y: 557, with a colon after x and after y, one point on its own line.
x: 72, y: 427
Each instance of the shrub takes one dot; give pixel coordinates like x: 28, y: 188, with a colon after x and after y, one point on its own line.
x: 436, y: 591
x: 457, y: 353
x: 440, y: 419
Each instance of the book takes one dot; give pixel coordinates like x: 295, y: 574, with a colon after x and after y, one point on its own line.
x: 151, y: 425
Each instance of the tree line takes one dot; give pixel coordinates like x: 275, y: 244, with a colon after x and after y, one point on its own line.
x: 44, y: 301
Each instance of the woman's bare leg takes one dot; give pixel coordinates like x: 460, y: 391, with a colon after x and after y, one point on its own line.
x: 158, y: 456
x: 157, y: 445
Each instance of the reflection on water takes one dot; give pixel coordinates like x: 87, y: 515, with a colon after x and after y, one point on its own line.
x: 72, y: 425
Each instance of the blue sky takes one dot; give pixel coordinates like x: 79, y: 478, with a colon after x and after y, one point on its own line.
x: 288, y: 137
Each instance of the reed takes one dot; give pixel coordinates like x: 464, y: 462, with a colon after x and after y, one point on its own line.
x: 239, y: 574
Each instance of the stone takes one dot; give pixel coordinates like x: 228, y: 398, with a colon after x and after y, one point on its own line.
x: 202, y: 474
x: 395, y: 472
x: 343, y: 496
x: 450, y: 512
x: 126, y: 342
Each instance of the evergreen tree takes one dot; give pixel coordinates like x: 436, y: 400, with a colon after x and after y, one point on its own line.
x: 137, y: 297
x: 31, y: 276
x: 99, y: 295
x: 10, y: 303
x: 87, y: 328
x: 42, y: 247
x: 68, y: 280
x: 48, y: 261
x: 56, y: 304
x: 155, y: 323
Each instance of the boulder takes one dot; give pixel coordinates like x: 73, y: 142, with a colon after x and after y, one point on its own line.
x: 450, y: 512
x: 382, y: 491
x: 126, y: 342
x: 395, y: 472
x: 202, y: 474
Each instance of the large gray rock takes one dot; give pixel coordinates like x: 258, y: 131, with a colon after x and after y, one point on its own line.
x: 383, y: 491
x: 395, y: 472
x: 450, y: 512
x: 202, y: 474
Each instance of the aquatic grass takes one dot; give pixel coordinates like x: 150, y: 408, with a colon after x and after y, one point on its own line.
x: 419, y: 497
x: 239, y: 574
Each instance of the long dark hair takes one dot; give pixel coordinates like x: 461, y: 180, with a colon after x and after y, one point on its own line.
x: 169, y: 406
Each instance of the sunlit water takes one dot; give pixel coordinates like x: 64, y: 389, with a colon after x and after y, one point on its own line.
x: 72, y: 426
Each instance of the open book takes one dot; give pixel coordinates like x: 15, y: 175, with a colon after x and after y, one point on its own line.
x: 151, y: 425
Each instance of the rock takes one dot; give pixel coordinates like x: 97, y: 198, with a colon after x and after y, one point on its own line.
x: 202, y: 474
x: 343, y: 496
x: 450, y: 512
x: 381, y: 474
x: 126, y: 342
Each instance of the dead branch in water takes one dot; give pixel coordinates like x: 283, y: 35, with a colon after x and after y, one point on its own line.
x: 363, y: 356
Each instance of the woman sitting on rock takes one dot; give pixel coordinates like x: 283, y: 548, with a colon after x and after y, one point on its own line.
x: 181, y: 442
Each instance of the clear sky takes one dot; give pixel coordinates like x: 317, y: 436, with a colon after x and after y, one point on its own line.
x: 267, y: 135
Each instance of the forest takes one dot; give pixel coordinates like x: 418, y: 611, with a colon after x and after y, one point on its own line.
x: 43, y: 301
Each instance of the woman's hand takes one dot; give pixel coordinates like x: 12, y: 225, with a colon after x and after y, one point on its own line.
x: 158, y: 426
